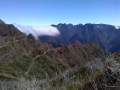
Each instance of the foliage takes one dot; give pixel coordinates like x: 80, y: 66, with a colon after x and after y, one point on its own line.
x: 28, y: 64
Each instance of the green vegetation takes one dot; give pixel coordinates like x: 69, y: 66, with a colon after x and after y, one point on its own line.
x: 26, y: 64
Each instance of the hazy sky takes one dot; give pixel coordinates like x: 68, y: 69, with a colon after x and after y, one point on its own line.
x: 44, y: 12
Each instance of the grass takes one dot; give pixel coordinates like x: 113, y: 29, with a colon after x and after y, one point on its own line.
x: 27, y: 68
x: 48, y: 84
x: 70, y: 79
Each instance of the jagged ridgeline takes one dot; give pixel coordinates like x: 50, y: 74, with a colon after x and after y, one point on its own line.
x: 24, y: 58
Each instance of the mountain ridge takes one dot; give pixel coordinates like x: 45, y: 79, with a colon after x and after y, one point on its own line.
x: 104, y: 35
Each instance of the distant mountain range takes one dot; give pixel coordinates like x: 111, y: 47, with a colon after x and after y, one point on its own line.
x: 104, y: 35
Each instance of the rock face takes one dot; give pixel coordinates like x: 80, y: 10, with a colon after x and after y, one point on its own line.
x: 105, y: 36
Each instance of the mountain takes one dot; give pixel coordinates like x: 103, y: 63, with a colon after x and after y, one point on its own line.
x: 24, y: 57
x: 26, y: 63
x: 105, y: 36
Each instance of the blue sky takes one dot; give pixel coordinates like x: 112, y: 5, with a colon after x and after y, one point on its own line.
x: 46, y: 12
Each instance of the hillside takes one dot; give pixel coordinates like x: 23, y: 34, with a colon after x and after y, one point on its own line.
x: 27, y: 63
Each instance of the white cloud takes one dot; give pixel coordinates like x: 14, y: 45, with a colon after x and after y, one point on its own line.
x: 117, y: 27
x: 38, y: 30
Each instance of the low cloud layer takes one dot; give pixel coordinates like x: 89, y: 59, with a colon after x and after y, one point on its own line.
x: 39, y: 31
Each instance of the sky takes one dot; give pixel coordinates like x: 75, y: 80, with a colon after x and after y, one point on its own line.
x: 47, y: 12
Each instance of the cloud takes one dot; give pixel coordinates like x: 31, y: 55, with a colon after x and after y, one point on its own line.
x: 37, y: 31
x: 117, y: 27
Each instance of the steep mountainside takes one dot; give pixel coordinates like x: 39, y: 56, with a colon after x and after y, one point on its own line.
x: 105, y: 36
